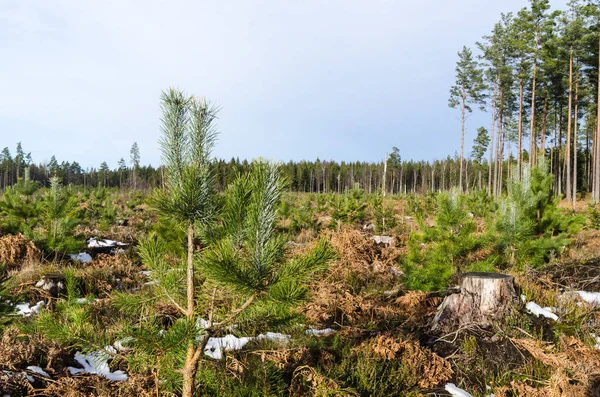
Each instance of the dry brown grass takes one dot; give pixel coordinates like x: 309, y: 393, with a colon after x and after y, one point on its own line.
x: 422, y: 364
x: 15, y: 250
x: 351, y: 291
x: 574, y: 365
x: 307, y: 381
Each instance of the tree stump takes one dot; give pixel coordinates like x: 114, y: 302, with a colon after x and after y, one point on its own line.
x: 483, y: 299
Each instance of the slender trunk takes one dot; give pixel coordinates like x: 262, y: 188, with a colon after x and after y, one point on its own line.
x: 192, y: 358
x: 532, y: 135
x: 544, y: 125
x: 569, y: 118
x: 520, y: 128
x: 492, y: 140
x: 559, y: 168
x: 500, y: 160
x: 462, y: 139
x: 384, y: 175
x: 414, y: 180
x: 587, y: 156
x: 575, y: 121
x: 190, y: 271
x: 596, y: 169
x: 467, y: 175
x: 498, y: 138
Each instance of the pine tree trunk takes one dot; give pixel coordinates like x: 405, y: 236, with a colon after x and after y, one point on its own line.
x: 544, y: 126
x: 462, y: 139
x: 192, y: 358
x: 532, y: 134
x: 569, y: 118
x: 492, y: 140
x: 559, y: 168
x: 575, y: 120
x: 520, y: 128
x: 596, y: 168
x: 384, y: 174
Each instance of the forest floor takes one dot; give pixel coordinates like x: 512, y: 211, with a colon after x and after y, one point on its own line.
x: 371, y: 335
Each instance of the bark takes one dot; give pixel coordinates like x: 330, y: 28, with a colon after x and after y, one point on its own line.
x: 576, y: 119
x: 532, y: 134
x: 484, y: 298
x: 384, y: 174
x: 596, y: 170
x: 496, y: 173
x: 492, y: 140
x: 569, y: 118
x: 462, y: 139
x: 544, y: 125
x: 520, y: 128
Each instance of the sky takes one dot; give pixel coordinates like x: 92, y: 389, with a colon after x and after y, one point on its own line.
x: 329, y: 79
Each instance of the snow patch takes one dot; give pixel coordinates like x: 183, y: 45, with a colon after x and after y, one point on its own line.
x: 590, y: 297
x: 216, y: 346
x: 82, y: 257
x: 455, y: 391
x: 38, y: 370
x: 326, y: 331
x: 537, y: 310
x: 99, y: 243
x: 25, y: 310
x: 96, y: 363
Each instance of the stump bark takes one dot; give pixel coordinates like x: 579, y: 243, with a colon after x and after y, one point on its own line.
x: 483, y: 299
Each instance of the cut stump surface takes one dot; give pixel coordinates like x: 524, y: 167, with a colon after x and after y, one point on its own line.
x: 483, y: 299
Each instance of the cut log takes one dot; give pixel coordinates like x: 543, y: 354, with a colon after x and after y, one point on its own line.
x: 483, y: 299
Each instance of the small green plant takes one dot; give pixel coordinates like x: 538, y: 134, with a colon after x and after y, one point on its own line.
x: 350, y: 209
x: 59, y: 216
x: 529, y: 226
x: 19, y: 207
x: 438, y: 252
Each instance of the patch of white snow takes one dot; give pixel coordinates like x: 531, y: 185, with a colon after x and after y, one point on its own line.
x: 455, y: 391
x: 96, y: 363
x: 82, y: 257
x: 537, y: 310
x: 38, y: 370
x: 25, y: 310
x: 590, y: 297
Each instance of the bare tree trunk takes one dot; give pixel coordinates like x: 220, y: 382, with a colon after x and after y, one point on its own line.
x: 500, y: 157
x: 532, y: 134
x: 588, y: 157
x: 498, y: 162
x: 569, y: 118
x: 559, y: 168
x: 467, y: 175
x: 576, y: 121
x: 596, y: 168
x: 492, y: 139
x: 544, y: 125
x: 462, y: 139
x: 520, y: 128
x: 384, y: 174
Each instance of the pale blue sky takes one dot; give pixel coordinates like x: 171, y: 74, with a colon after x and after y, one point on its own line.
x: 342, y: 80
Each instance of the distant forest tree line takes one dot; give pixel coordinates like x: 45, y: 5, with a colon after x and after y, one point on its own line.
x: 318, y: 176
x: 536, y: 74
